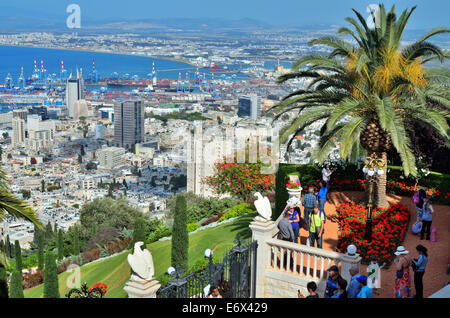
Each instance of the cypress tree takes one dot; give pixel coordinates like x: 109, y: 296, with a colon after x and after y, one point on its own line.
x: 48, y: 231
x: 76, y: 242
x: 2, y: 246
x: 60, y: 245
x: 40, y: 237
x: 3, y: 282
x: 8, y: 247
x: 15, y: 287
x: 18, y: 253
x: 138, y: 232
x: 180, y: 238
x: 51, y: 287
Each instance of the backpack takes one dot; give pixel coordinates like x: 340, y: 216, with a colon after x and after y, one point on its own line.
x: 416, y: 197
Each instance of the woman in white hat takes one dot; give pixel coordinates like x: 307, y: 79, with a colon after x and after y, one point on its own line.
x: 402, y: 286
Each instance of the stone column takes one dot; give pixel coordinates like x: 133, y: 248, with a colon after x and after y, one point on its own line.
x: 347, y: 262
x: 261, y: 231
x: 142, y: 288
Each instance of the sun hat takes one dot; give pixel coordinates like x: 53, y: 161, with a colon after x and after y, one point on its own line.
x: 292, y: 201
x: 361, y: 279
x: 401, y: 250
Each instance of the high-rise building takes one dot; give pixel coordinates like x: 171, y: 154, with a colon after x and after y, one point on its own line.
x: 204, y: 148
x: 80, y: 109
x: 20, y: 113
x: 74, y: 92
x: 18, y: 135
x: 248, y: 106
x: 128, y: 123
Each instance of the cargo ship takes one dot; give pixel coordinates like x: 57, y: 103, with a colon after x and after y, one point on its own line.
x: 214, y: 67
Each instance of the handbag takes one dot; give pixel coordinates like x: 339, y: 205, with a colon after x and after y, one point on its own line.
x: 399, y: 273
x: 414, y: 266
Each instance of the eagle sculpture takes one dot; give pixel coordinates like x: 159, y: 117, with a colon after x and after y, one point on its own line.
x: 263, y: 207
x: 141, y: 262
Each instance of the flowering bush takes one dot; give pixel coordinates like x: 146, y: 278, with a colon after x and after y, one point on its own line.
x: 389, y: 228
x: 239, y: 179
x: 293, y: 185
x: 103, y: 287
x: 394, y: 187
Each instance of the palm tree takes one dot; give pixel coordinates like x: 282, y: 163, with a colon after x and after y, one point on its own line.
x: 15, y: 207
x: 363, y: 93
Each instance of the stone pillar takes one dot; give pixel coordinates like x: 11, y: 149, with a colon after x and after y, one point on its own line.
x: 142, y: 288
x: 261, y: 231
x: 347, y: 262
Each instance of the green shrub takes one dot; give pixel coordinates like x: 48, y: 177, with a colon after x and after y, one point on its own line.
x: 192, y: 227
x: 162, y: 231
x: 237, y: 210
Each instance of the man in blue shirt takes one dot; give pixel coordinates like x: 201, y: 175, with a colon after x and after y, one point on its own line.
x: 354, y: 286
x: 322, y: 196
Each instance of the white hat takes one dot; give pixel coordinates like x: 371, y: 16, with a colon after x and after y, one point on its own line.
x: 292, y: 201
x: 401, y: 250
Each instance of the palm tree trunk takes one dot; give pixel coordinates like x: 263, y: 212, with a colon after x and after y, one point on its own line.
x: 380, y: 199
x: 379, y: 189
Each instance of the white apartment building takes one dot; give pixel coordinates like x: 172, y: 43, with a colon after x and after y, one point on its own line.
x: 111, y: 157
x: 18, y: 134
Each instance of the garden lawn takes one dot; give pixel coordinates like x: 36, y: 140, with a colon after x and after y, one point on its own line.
x: 115, y: 271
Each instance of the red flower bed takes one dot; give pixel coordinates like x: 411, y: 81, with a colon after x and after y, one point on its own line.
x: 395, y: 187
x: 389, y: 228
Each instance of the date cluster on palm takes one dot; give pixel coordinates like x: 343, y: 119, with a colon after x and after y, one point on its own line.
x: 375, y: 139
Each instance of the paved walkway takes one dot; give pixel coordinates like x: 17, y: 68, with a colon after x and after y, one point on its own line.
x: 439, y: 252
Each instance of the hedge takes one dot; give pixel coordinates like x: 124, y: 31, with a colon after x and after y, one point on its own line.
x: 237, y: 210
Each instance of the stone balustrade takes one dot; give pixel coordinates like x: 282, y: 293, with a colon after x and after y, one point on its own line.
x: 283, y: 268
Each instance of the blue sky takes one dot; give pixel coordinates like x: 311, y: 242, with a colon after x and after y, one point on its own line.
x: 429, y: 13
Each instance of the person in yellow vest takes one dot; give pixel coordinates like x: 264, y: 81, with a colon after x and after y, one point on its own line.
x: 316, y: 228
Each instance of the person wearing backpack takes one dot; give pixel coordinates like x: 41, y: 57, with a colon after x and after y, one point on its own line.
x: 418, y: 200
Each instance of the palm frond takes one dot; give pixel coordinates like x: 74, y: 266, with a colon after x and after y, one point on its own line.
x: 17, y: 208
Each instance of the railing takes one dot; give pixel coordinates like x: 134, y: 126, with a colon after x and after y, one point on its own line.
x: 301, y: 259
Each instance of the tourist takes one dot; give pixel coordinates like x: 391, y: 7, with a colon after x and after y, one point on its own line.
x: 326, y: 175
x: 294, y: 219
x: 342, y: 288
x: 322, y: 197
x: 354, y: 286
x: 309, y: 202
x: 402, y: 286
x: 427, y: 218
x: 316, y: 228
x: 285, y: 227
x: 214, y: 292
x: 419, y: 269
x: 331, y: 286
x: 373, y: 274
x: 312, y: 287
x: 366, y: 291
x: 419, y: 205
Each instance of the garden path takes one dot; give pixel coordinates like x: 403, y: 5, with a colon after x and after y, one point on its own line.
x: 435, y: 275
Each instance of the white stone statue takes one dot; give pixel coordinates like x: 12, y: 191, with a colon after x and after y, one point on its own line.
x: 263, y: 207
x: 141, y: 262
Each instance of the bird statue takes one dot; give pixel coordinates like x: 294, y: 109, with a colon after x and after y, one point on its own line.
x: 263, y: 207
x: 141, y: 263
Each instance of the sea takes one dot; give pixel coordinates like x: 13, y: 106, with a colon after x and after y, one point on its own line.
x: 12, y: 58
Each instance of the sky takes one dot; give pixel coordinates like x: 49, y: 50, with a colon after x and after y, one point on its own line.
x: 428, y: 14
